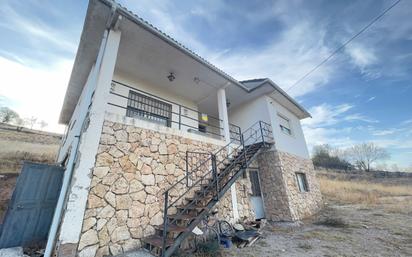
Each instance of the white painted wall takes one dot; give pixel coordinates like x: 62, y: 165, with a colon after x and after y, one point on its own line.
x: 266, y: 109
x: 75, y: 121
x: 124, y: 91
x: 76, y: 203
x: 295, y: 143
x: 248, y: 113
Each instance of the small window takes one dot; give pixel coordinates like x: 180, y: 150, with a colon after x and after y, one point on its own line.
x: 284, y: 124
x: 143, y: 106
x: 302, y: 182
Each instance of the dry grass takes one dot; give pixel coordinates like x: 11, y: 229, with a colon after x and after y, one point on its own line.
x: 360, y: 191
x: 17, y: 146
x: 392, y: 198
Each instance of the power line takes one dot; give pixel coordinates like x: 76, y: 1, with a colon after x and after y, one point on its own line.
x: 343, y: 46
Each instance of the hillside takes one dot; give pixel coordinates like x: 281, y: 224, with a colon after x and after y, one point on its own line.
x: 22, y: 144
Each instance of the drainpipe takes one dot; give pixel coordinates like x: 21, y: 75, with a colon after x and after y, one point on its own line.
x: 73, y: 154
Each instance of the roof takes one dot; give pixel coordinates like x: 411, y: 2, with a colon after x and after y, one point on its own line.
x: 253, y: 84
x: 73, y: 93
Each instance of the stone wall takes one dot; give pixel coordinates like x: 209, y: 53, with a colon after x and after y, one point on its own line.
x: 283, y: 200
x: 133, y: 168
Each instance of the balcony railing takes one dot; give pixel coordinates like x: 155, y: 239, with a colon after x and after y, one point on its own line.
x: 144, y: 105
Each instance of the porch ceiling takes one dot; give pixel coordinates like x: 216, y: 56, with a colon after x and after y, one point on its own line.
x: 143, y: 57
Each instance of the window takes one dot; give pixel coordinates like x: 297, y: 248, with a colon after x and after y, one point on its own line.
x: 302, y: 182
x: 284, y: 124
x: 142, y: 106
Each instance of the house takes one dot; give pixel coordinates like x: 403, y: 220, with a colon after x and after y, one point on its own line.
x: 152, y: 126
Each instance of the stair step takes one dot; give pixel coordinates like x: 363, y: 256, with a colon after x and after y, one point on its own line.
x: 185, y: 216
x: 157, y: 241
x: 193, y: 207
x: 173, y: 228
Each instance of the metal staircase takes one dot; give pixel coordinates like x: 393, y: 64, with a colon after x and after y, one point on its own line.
x: 191, y: 198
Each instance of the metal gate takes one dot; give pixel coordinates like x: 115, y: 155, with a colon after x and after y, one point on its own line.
x: 31, y: 208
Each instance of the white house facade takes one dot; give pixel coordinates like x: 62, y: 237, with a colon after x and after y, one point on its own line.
x: 157, y: 137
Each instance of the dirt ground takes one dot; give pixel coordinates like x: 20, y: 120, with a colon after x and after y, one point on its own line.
x: 7, y: 183
x: 339, y: 230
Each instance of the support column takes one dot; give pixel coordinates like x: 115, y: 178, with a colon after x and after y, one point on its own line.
x: 90, y: 136
x: 224, y: 123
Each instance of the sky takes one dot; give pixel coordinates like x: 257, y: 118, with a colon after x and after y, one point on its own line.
x: 363, y: 94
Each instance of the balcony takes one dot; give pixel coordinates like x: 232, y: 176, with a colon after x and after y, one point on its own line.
x: 135, y: 103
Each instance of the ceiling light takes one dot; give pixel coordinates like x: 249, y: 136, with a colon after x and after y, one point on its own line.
x: 171, y: 76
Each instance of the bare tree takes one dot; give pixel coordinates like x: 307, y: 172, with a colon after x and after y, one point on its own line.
x: 7, y: 115
x: 43, y: 124
x: 365, y: 154
x: 31, y: 121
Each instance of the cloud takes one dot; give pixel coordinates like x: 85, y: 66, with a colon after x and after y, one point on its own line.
x: 359, y: 117
x: 384, y: 132
x: 39, y: 92
x: 361, y: 56
x: 326, y: 115
x: 371, y: 98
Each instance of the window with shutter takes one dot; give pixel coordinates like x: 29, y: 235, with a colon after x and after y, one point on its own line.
x: 284, y: 124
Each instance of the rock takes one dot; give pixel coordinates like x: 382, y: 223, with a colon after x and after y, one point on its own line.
x: 100, y: 224
x: 121, y: 136
x: 170, y: 168
x: 135, y: 186
x: 157, y: 219
x: 136, y: 233
x: 115, y: 249
x: 123, y: 202
x: 153, y: 148
x: 152, y: 190
x: 134, y: 158
x: 148, y: 180
x: 136, y: 210
x: 110, y: 178
x: 139, y: 196
x: 104, y: 159
x: 116, y: 153
x: 120, y: 233
x: 155, y: 141
x: 89, y: 251
x: 124, y: 147
x: 95, y: 201
x: 88, y: 224
x: 88, y: 238
x: 182, y: 148
x: 151, y: 199
x: 146, y: 169
x: 131, y: 244
x: 160, y: 170
x: 171, y: 149
x: 102, y: 252
x: 120, y: 186
x: 110, y: 198
x: 122, y: 217
x: 162, y: 148
x: 107, y: 212
x: 133, y: 223
x: 111, y: 225
x: 107, y: 139
x: 100, y: 190
x: 100, y: 172
x: 134, y: 137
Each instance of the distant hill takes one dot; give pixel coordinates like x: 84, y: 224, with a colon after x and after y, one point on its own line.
x: 19, y: 144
